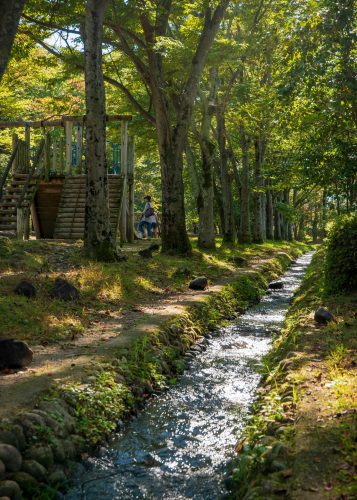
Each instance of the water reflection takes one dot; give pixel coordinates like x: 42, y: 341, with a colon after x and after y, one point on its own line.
x: 178, y: 447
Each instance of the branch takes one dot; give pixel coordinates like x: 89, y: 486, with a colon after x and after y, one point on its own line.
x: 125, y: 47
x: 50, y: 25
x: 108, y: 79
x: 61, y: 28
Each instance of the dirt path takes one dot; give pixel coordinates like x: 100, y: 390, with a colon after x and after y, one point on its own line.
x: 65, y: 362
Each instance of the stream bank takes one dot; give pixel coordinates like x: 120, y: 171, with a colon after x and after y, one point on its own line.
x: 71, y: 419
x: 179, y: 445
x: 300, y: 443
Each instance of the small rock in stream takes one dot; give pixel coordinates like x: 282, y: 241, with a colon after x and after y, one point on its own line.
x: 276, y: 285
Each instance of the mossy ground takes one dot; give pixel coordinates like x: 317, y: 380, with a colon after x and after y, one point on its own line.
x: 111, y: 383
x: 105, y: 288
x: 306, y: 413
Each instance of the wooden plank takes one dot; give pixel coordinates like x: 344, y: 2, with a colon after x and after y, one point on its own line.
x: 124, y: 171
x: 59, y: 122
x: 131, y: 217
x: 15, y: 162
x: 68, y: 131
x: 79, y: 143
x: 20, y: 223
x: 27, y: 148
x: 61, y: 156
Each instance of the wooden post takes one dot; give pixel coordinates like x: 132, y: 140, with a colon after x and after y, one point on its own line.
x: 124, y: 172
x: 35, y: 221
x: 20, y: 223
x: 27, y: 148
x: 15, y: 142
x: 47, y: 155
x: 26, y: 224
x: 61, y: 156
x: 79, y: 139
x: 54, y: 155
x: 68, y: 127
x: 131, y: 220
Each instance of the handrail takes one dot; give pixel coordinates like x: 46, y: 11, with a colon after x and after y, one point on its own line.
x: 7, y: 170
x: 31, y: 173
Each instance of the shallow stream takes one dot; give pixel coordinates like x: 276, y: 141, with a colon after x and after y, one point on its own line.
x: 179, y: 445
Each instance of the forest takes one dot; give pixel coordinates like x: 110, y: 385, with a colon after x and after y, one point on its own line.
x: 165, y: 165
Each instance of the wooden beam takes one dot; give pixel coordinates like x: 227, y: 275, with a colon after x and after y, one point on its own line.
x: 79, y: 146
x: 124, y: 173
x: 61, y: 155
x: 54, y: 155
x: 20, y: 223
x: 35, y: 221
x: 68, y: 131
x: 27, y: 148
x: 47, y: 155
x: 131, y: 217
x: 59, y: 122
x: 15, y: 142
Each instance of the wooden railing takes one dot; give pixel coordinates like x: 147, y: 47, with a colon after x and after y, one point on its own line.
x: 7, y: 170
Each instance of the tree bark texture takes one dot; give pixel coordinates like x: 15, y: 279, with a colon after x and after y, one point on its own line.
x: 11, y: 11
x: 277, y: 219
x: 258, y: 195
x: 244, y: 227
x: 229, y: 233
x: 269, y: 215
x: 172, y: 134
x: 98, y: 239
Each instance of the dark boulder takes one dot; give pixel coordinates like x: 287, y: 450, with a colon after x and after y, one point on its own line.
x: 276, y: 285
x: 200, y: 283
x: 322, y: 315
x: 64, y: 290
x: 146, y: 253
x: 26, y: 289
x: 14, y: 354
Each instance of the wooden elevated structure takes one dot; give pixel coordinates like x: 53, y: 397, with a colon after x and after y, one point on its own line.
x: 48, y: 191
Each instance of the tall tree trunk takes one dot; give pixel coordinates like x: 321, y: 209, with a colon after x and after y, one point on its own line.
x: 172, y: 136
x: 98, y: 239
x: 226, y: 183
x: 269, y: 216
x: 244, y: 235
x: 205, y: 202
x: 301, y: 228
x: 288, y: 234
x: 218, y: 201
x: 258, y: 196
x: 11, y: 11
x: 277, y: 222
x: 315, y: 225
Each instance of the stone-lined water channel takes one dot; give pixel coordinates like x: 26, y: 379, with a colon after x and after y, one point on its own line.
x: 179, y: 445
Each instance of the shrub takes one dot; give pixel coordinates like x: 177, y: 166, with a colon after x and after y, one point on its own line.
x: 341, y: 255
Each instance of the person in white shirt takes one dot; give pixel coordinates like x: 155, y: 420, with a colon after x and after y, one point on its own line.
x: 148, y: 217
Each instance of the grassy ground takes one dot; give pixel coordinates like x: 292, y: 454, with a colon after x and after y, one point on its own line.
x: 106, y: 289
x: 301, y: 441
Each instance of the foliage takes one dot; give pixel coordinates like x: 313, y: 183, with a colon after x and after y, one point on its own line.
x: 341, y: 255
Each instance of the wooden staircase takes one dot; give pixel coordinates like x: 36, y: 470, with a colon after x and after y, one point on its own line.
x: 71, y: 212
x: 10, y: 198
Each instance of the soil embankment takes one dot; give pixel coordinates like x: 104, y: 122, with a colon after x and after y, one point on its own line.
x: 301, y: 442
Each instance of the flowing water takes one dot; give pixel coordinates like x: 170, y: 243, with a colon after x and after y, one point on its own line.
x: 179, y: 445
